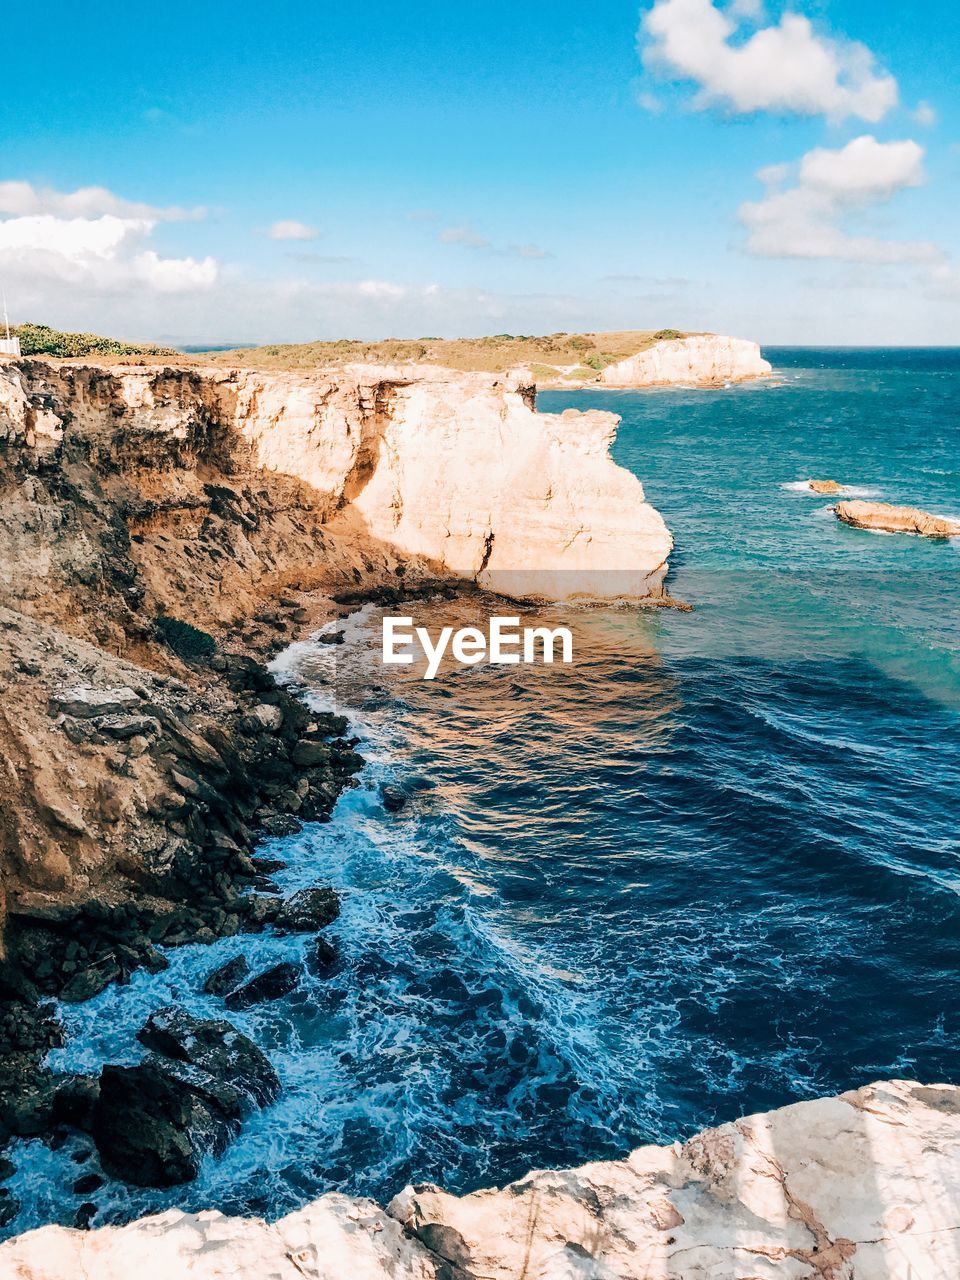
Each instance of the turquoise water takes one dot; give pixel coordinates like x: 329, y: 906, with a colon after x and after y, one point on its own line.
x: 711, y: 868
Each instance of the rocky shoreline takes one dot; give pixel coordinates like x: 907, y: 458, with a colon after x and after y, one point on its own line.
x: 260, y: 770
x: 163, y: 532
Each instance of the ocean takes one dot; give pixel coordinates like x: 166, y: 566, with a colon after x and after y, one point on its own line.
x: 710, y: 868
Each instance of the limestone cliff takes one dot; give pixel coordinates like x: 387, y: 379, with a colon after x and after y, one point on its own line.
x: 224, y: 498
x: 701, y: 360
x: 859, y: 1187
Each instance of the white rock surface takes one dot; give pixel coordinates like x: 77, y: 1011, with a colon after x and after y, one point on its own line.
x: 702, y: 360
x: 861, y: 1187
x: 457, y: 469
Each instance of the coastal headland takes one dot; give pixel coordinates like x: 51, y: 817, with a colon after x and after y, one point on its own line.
x: 167, y: 526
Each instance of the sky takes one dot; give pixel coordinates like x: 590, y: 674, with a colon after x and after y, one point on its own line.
x: 234, y: 173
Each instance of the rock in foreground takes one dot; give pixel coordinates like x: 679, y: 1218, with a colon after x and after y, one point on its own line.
x: 885, y: 518
x: 865, y: 1186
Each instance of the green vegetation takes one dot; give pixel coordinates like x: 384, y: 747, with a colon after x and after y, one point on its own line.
x: 41, y: 340
x: 186, y: 641
x: 663, y: 335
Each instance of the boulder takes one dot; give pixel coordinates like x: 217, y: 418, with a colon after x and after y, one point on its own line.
x: 154, y: 1122
x: 308, y: 910
x: 886, y: 518
x: 263, y: 718
x: 394, y: 798
x: 9, y: 1207
x: 85, y: 702
x: 123, y: 727
x: 825, y: 486
x: 271, y: 984
x: 214, y: 1045
x: 76, y: 1100
x: 227, y: 977
x: 92, y: 980
x: 310, y: 752
x: 322, y: 956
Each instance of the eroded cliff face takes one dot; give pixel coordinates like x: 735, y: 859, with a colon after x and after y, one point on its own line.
x: 228, y: 499
x: 859, y: 1187
x: 702, y: 360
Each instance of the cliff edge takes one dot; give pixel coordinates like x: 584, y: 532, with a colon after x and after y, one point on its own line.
x: 856, y: 1187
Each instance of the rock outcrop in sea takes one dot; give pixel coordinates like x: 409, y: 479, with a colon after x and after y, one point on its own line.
x: 857, y: 1187
x: 700, y: 360
x: 883, y: 517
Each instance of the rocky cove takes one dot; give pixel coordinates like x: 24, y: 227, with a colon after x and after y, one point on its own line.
x: 164, y: 531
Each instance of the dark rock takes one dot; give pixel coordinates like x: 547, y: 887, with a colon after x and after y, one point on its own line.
x: 394, y: 798
x: 85, y: 1214
x: 331, y: 637
x: 281, y: 824
x: 89, y: 1182
x: 85, y: 702
x: 92, y: 980
x: 227, y: 977
x: 9, y: 1207
x: 155, y: 1122
x: 322, y: 955
x: 267, y: 866
x: 260, y: 910
x: 124, y: 727
x: 214, y: 1045
x: 309, y: 753
x: 272, y: 984
x: 75, y: 1100
x: 308, y: 910
x: 7, y: 1168
x: 327, y: 722
x: 26, y: 1097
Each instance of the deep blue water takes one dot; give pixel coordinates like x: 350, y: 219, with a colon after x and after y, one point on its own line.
x: 712, y: 868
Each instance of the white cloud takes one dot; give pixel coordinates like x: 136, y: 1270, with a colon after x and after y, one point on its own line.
x: 787, y: 67
x: 465, y: 236
x: 751, y: 10
x: 805, y: 220
x: 90, y: 240
x: 23, y: 199
x: 470, y: 239
x: 290, y: 229
x: 925, y: 115
x: 380, y: 289
x: 532, y: 251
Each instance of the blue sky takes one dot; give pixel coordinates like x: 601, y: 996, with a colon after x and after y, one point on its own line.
x: 295, y: 171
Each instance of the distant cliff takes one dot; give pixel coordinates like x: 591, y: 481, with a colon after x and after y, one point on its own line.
x: 701, y: 360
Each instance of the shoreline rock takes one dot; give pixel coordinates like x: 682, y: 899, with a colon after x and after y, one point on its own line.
x: 154, y: 1122
x: 884, y: 517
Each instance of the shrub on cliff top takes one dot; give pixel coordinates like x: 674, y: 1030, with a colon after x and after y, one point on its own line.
x: 186, y: 641
x: 41, y: 340
x: 663, y: 334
